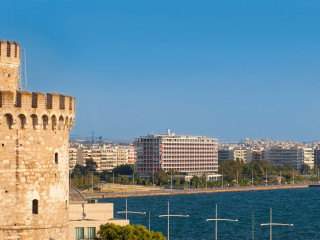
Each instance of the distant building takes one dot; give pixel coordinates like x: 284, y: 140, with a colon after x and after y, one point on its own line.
x: 241, y: 154
x: 132, y: 154
x: 308, y: 156
x: 257, y: 155
x: 294, y: 156
x: 317, y: 156
x: 107, y: 156
x: 73, y: 156
x: 193, y: 155
x: 225, y: 155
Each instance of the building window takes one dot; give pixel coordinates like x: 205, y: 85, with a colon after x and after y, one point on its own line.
x: 79, y: 232
x: 35, y: 206
x: 91, y: 232
x: 56, y: 158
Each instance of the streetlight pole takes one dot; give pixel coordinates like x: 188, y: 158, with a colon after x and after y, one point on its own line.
x: 171, y: 180
x: 292, y: 177
x: 168, y: 216
x: 126, y: 211
x: 252, y: 224
x: 252, y: 177
x: 92, y: 182
x: 222, y: 180
x: 217, y: 219
x: 280, y: 178
x: 274, y: 224
x: 206, y: 181
x: 266, y: 177
x: 152, y: 179
x: 237, y: 178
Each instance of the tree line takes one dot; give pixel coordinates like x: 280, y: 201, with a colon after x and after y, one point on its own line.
x: 233, y: 173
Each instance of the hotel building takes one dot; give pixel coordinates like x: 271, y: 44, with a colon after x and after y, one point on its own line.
x: 193, y: 155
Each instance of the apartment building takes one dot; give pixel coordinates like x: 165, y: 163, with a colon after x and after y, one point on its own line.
x: 282, y: 156
x: 317, y: 156
x: 132, y: 154
x: 225, y: 155
x: 293, y: 156
x: 107, y: 156
x: 241, y: 154
x: 257, y: 155
x: 308, y: 156
x: 73, y: 154
x: 193, y: 155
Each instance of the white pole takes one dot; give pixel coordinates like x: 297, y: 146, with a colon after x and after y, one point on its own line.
x: 222, y: 180
x: 266, y: 176
x: 270, y: 223
x: 168, y: 221
x: 216, y: 230
x: 206, y: 181
x: 237, y: 179
x: 92, y: 182
x: 275, y: 224
x: 280, y: 177
x: 216, y: 222
x: 252, y: 177
x: 293, y: 176
x: 252, y: 224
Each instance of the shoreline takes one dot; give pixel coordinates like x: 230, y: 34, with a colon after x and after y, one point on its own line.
x: 188, y: 191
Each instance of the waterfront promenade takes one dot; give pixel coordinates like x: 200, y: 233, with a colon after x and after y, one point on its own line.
x: 189, y: 191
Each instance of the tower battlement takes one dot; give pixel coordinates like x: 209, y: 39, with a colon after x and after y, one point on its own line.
x: 34, y: 110
x: 9, y: 52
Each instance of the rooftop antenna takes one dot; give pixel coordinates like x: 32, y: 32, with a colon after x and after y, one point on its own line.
x: 23, y: 80
x: 92, y: 139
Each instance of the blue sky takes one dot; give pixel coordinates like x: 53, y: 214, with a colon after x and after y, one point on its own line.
x: 228, y: 69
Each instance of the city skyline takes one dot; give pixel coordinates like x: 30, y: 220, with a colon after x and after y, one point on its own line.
x: 226, y: 70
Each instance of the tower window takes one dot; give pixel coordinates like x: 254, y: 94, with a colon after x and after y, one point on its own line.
x: 34, y: 206
x: 56, y: 156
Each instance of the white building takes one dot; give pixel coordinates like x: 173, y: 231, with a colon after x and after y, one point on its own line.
x: 194, y: 155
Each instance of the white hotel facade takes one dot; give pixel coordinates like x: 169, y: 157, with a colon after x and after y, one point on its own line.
x: 192, y: 155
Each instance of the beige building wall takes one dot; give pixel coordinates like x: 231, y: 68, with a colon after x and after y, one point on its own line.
x: 95, y: 215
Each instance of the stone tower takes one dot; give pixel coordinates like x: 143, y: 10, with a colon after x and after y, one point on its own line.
x: 34, y: 142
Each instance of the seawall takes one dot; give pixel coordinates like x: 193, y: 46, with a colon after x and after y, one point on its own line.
x: 189, y: 191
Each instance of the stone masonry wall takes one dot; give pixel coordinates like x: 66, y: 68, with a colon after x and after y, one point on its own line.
x: 34, y: 141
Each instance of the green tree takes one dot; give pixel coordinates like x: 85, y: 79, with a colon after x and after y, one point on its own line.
x: 91, y: 165
x: 110, y: 231
x: 126, y: 169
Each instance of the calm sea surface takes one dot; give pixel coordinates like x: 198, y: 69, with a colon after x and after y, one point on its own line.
x: 300, y: 207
